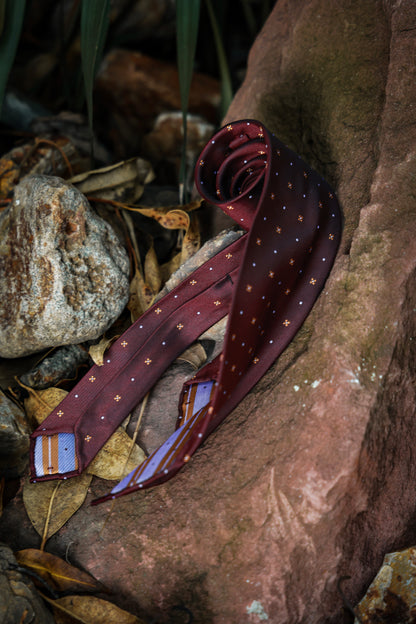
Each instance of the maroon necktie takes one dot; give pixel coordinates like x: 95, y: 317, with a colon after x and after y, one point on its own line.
x: 267, y: 282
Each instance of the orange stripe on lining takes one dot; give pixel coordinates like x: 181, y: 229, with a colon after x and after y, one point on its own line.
x: 189, y: 405
x: 54, y: 448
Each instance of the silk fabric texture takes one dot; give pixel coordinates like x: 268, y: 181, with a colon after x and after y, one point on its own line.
x: 267, y: 282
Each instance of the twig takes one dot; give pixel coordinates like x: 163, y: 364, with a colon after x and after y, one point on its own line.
x: 48, y: 517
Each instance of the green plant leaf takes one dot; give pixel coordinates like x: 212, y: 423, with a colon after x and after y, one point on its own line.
x: 226, y: 87
x: 187, y: 22
x: 95, y: 17
x: 13, y: 13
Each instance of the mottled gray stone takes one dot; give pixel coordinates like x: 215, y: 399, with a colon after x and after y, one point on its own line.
x: 61, y: 364
x: 14, y: 439
x: 63, y: 272
x: 19, y: 601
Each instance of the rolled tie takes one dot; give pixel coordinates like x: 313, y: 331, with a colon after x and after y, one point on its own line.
x: 267, y: 282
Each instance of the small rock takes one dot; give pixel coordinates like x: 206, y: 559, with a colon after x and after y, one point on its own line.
x: 133, y: 89
x: 391, y: 597
x: 63, y: 272
x: 19, y: 600
x: 163, y: 145
x: 14, y: 439
x: 62, y: 364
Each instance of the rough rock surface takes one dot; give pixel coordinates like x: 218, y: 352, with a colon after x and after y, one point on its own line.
x: 14, y: 439
x: 313, y: 476
x: 391, y: 597
x: 19, y: 600
x: 63, y: 272
x: 134, y: 89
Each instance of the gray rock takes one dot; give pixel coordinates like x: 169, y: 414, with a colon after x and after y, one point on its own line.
x: 19, y: 601
x: 14, y: 439
x: 61, y: 364
x: 63, y: 272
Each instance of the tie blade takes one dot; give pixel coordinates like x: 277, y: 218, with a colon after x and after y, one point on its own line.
x: 165, y: 461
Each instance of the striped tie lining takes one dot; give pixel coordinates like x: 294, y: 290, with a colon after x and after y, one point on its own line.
x: 58, y: 450
x: 55, y: 454
x: 194, y: 409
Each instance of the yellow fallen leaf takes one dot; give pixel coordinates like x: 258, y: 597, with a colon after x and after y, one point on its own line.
x: 167, y: 216
x: 59, y: 574
x: 114, y: 460
x: 9, y: 175
x: 40, y: 403
x: 90, y: 610
x: 97, y: 351
x: 68, y: 499
x: 191, y: 240
x: 176, y: 219
x: 139, y: 297
x: 152, y: 271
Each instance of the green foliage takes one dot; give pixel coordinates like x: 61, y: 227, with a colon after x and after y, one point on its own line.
x: 226, y: 87
x: 187, y: 22
x: 95, y: 17
x: 11, y: 14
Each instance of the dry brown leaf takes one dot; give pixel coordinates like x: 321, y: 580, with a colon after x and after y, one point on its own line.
x: 90, y: 610
x: 168, y: 268
x: 97, y: 351
x: 9, y: 175
x: 167, y: 216
x: 194, y: 355
x: 40, y: 403
x: 139, y: 297
x: 123, y: 181
x: 152, y: 276
x: 176, y: 219
x: 59, y: 574
x: 68, y: 499
x: 191, y: 240
x: 114, y: 461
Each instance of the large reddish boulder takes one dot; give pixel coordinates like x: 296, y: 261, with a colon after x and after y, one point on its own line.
x: 313, y: 476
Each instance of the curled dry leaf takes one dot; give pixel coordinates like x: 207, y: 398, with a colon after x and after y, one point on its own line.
x: 68, y: 499
x: 97, y: 351
x: 195, y: 355
x: 115, y: 460
x: 123, y: 182
x: 60, y: 575
x: 152, y: 271
x: 170, y: 217
x: 90, y: 610
x: 40, y: 403
x: 191, y: 241
x: 176, y: 219
x: 140, y: 296
x: 9, y: 175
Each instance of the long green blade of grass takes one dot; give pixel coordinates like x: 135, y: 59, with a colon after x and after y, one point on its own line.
x: 226, y: 87
x: 13, y: 13
x: 187, y: 22
x: 95, y: 17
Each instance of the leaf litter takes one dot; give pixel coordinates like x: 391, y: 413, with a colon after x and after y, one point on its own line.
x: 50, y: 504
